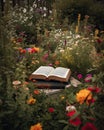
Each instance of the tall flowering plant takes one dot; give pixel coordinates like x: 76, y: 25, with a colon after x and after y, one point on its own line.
x: 81, y: 105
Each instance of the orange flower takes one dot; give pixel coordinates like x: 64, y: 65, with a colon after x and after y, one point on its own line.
x: 83, y: 95
x: 36, y: 92
x: 22, y: 51
x: 38, y: 126
x: 36, y: 49
x: 31, y: 100
x: 57, y: 62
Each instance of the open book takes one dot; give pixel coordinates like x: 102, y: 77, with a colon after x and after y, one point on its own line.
x: 50, y: 73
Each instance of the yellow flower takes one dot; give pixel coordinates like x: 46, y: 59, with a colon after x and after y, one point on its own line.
x: 62, y: 98
x: 96, y: 33
x: 76, y: 30
x: 83, y: 95
x: 38, y: 126
x: 31, y: 100
x: 79, y: 17
x: 13, y: 40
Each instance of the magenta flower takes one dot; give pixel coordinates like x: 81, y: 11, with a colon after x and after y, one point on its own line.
x: 79, y: 76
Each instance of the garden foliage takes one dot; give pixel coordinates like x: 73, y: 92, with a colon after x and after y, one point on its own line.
x: 29, y: 40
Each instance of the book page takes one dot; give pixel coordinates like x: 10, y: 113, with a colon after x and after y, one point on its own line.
x: 43, y: 70
x: 74, y: 82
x: 60, y: 72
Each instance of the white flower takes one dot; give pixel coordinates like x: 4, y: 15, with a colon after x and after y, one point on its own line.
x: 41, y: 8
x: 69, y: 108
x: 61, y: 50
x: 26, y: 18
x: 44, y: 8
x: 31, y: 9
x: 30, y: 24
x: 34, y: 5
x: 26, y: 88
x: 24, y: 10
x: 69, y: 48
x: 50, y: 11
x: 16, y: 82
x: 78, y: 36
x: 44, y: 15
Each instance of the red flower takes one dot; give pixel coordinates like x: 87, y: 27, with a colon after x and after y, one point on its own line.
x: 71, y: 113
x: 51, y: 109
x: 99, y: 40
x: 36, y: 92
x: 32, y: 50
x: 89, y: 126
x: 19, y: 40
x: 75, y: 122
x: 94, y: 89
x: 92, y: 100
x: 22, y: 51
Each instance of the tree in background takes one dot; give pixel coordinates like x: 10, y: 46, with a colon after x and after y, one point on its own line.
x: 71, y: 8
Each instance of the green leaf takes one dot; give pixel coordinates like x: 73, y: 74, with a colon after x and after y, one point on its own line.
x: 63, y: 121
x: 66, y: 127
x: 75, y: 115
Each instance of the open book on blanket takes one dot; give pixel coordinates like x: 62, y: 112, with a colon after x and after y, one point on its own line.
x: 49, y: 73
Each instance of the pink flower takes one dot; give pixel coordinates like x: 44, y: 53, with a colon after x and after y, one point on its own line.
x: 88, y: 78
x: 79, y: 76
x: 50, y: 64
x: 45, y: 57
x: 89, y: 126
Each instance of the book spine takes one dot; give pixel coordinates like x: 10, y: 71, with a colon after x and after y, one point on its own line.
x: 49, y: 86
